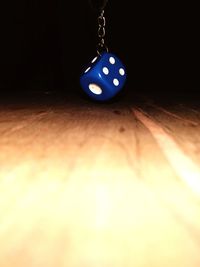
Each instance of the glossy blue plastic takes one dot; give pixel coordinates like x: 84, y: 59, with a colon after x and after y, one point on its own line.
x: 104, y: 77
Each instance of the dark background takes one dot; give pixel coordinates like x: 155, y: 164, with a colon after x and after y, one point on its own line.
x: 45, y: 44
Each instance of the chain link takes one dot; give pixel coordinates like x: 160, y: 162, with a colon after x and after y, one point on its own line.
x: 101, y: 33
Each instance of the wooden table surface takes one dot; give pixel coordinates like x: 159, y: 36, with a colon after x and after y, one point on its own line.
x: 99, y: 185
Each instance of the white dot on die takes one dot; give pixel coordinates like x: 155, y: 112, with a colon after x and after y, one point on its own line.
x: 122, y: 72
x: 112, y: 60
x: 105, y: 71
x: 116, y: 82
x: 95, y: 89
x: 87, y: 69
x: 94, y: 59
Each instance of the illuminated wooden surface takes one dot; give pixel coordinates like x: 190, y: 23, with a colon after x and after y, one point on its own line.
x: 89, y: 185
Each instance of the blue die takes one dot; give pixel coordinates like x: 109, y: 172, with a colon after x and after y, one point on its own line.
x: 104, y: 77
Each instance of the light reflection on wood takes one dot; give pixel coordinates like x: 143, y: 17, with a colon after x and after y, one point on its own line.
x: 76, y: 191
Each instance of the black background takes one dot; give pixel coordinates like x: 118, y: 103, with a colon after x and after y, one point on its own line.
x: 45, y: 44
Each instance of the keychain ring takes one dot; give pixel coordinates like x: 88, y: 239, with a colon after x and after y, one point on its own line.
x: 102, y: 47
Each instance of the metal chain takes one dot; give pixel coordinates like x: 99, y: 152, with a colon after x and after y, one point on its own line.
x: 101, y: 33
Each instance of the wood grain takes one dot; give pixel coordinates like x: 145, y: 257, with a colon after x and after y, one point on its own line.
x: 90, y: 185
